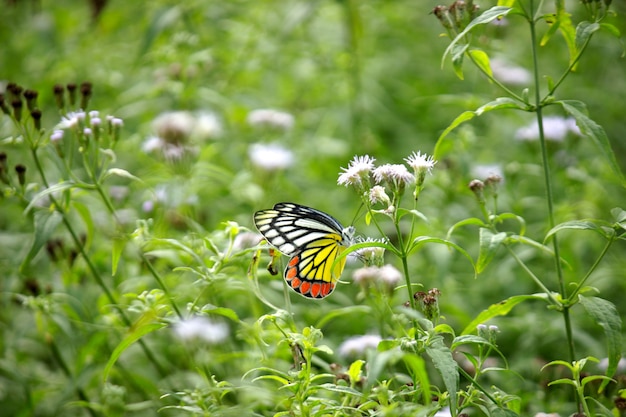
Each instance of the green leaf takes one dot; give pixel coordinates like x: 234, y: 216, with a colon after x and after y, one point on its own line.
x: 419, y: 241
x: 497, y: 104
x: 481, y: 59
x: 45, y: 225
x: 354, y: 372
x: 457, y: 59
x: 605, y: 314
x: 118, y: 172
x: 341, y: 389
x: 417, y: 368
x: 56, y: 188
x: 472, y: 221
x: 442, y: 358
x: 358, y: 310
x: 566, y: 27
x: 553, y: 26
x: 486, y: 17
x: 119, y: 243
x: 593, y: 131
x: 489, y: 244
x: 611, y: 29
x: 580, y: 225
x: 500, y: 309
x: 584, y: 30
x: 135, y: 334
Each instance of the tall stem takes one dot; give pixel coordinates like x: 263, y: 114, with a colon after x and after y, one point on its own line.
x: 548, y: 185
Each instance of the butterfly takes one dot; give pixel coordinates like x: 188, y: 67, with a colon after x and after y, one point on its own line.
x: 313, y: 240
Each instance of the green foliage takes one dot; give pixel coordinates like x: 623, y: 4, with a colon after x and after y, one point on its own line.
x: 134, y: 283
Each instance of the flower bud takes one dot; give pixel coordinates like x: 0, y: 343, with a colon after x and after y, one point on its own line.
x: 85, y: 93
x: 71, y: 92
x: 21, y: 174
x: 3, y: 106
x: 58, y: 96
x: 17, y: 109
x: 31, y: 99
x: 36, y: 115
x: 477, y: 187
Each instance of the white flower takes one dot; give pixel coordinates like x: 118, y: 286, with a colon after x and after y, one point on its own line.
x: 94, y: 113
x: 358, y: 170
x: 174, y: 127
x: 95, y: 122
x: 420, y: 162
x: 357, y: 345
x: 247, y: 240
x: 201, y: 328
x: 207, y: 126
x: 365, y: 275
x: 487, y: 170
x: 71, y: 120
x: 509, y: 74
x: 270, y: 157
x: 444, y: 412
x: 604, y: 364
x: 555, y: 128
x: 56, y: 136
x: 374, y: 255
x: 270, y: 118
x: 152, y: 144
x: 395, y: 174
x: 378, y: 195
x: 87, y: 131
x: 390, y: 275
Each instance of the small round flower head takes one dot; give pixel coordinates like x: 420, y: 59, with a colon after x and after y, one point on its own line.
x: 378, y: 195
x: 395, y: 175
x: 365, y: 276
x: 270, y: 157
x: 201, y: 328
x: 373, y: 255
x: 271, y: 118
x: 174, y: 127
x: 87, y: 131
x: 152, y: 144
x: 247, y: 240
x: 95, y: 122
x: 207, y: 126
x: 94, y: 113
x: 56, y: 136
x: 71, y: 120
x: 420, y: 162
x: 390, y: 275
x: 358, y: 345
x: 358, y: 171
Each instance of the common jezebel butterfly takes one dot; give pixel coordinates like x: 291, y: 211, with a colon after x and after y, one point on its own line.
x: 313, y: 240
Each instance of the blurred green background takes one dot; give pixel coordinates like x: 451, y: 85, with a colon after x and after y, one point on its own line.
x: 359, y: 78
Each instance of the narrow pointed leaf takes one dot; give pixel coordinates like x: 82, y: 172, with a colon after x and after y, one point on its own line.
x: 500, y: 309
x: 605, y: 314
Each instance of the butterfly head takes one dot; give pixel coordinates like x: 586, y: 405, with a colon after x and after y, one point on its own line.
x: 347, y: 236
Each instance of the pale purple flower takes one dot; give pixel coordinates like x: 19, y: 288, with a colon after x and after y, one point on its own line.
x: 174, y: 127
x: 555, y: 128
x: 357, y: 345
x: 271, y: 118
x: 509, y: 74
x: 201, y: 328
x: 56, y: 136
x: 378, y: 195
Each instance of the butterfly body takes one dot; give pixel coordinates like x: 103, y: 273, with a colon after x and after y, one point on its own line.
x: 313, y: 240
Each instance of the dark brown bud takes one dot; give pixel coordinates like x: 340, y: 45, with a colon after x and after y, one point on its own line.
x: 71, y: 90
x: 58, y: 96
x: 21, y: 173
x: 31, y: 99
x: 85, y: 92
x: 36, y: 115
x: 17, y: 109
x: 3, y: 105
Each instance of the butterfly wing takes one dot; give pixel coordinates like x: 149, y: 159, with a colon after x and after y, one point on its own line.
x: 312, y: 238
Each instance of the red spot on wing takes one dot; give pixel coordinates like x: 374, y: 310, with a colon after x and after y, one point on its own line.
x: 305, y: 287
x: 316, y: 289
x: 295, y: 283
